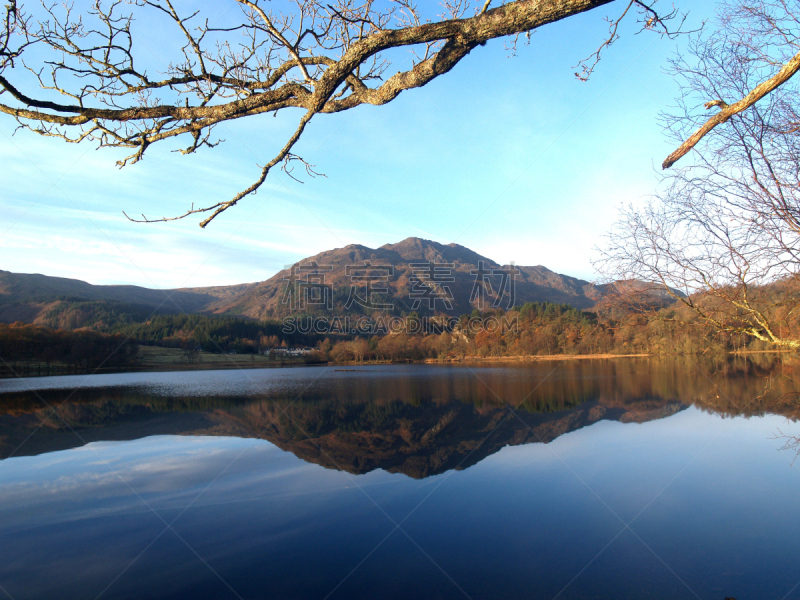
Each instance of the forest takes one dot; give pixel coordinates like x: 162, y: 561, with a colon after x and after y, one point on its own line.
x: 32, y: 349
x: 531, y: 329
x: 543, y: 328
x: 212, y: 333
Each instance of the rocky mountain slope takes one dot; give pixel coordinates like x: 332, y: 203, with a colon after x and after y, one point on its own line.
x: 451, y: 290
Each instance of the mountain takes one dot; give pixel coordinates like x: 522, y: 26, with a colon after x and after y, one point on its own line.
x: 405, y: 282
x: 463, y: 280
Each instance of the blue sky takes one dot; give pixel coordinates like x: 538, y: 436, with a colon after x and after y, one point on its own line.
x: 510, y: 156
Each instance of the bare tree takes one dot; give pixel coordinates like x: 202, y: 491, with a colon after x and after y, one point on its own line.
x: 320, y: 57
x: 759, y: 39
x: 726, y: 230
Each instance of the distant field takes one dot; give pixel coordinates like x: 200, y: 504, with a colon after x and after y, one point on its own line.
x: 156, y: 357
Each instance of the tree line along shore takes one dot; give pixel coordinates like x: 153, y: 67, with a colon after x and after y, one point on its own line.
x: 535, y: 330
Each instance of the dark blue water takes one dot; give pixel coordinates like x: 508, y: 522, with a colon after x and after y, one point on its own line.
x: 618, y: 488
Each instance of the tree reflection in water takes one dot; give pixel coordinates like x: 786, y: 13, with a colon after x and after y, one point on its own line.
x: 419, y: 420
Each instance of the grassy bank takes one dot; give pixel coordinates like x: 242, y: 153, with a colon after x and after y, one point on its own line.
x: 153, y: 358
x: 156, y: 358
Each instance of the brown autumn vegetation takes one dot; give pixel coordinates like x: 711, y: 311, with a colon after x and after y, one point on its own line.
x: 533, y: 329
x: 542, y: 328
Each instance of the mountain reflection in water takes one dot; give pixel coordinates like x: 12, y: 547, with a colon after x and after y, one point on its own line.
x: 416, y: 420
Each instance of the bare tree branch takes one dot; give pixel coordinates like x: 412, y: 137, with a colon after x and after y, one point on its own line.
x: 650, y: 20
x: 323, y: 57
x: 787, y: 72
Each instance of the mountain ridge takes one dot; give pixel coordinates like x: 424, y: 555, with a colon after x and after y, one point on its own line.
x: 469, y: 281
x: 267, y: 298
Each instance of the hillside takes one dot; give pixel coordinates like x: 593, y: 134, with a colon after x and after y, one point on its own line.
x: 20, y: 287
x: 70, y: 303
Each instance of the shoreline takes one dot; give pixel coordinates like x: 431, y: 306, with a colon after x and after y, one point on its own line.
x: 531, y: 358
x: 227, y: 365
x: 260, y: 364
x: 783, y: 351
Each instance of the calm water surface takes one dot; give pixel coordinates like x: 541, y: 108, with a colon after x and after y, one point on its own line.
x: 600, y: 479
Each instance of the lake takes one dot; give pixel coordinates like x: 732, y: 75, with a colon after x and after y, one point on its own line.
x: 627, y: 478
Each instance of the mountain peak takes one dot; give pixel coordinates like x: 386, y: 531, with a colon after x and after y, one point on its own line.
x: 419, y: 249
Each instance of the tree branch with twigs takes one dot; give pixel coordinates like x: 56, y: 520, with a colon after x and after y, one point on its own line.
x: 318, y: 58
